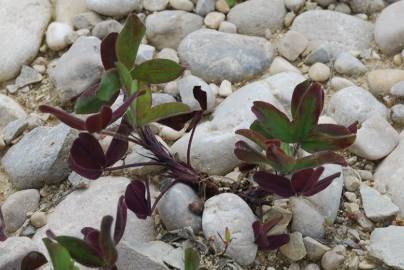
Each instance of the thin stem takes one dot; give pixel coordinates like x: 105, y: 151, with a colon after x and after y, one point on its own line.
x: 134, y: 165
x: 117, y: 136
x: 162, y: 194
x: 198, y: 118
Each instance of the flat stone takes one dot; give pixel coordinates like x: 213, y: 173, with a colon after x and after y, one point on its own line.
x: 27, y: 76
x: 375, y: 128
x: 397, y: 114
x: 254, y: 17
x: 9, y: 111
x: 337, y: 31
x: 44, y: 162
x: 227, y: 210
x: 349, y: 65
x: 367, y: 7
x: 398, y: 89
x: 282, y: 65
x: 338, y: 83
x: 334, y: 258
x: 382, y: 80
x: 386, y: 244
x: 13, y: 251
x: 292, y: 45
x: 389, y: 29
x: 145, y: 53
x: 166, y: 29
x: 215, y: 56
x: 14, y: 129
x: 203, y: 7
x: 354, y: 104
x: 86, y: 20
x: 23, y: 24
x: 114, y: 7
x: 77, y: 69
x: 104, y: 28
x: 155, y: 5
x: 315, y: 250
x: 377, y: 207
x: 294, y: 250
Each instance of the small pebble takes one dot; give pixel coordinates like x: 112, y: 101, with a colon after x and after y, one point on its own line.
x: 222, y: 6
x: 213, y: 19
x: 56, y: 35
x: 38, y: 219
x: 397, y: 60
x: 185, y: 5
x: 225, y: 89
x: 227, y: 27
x: 289, y: 17
x: 319, y: 72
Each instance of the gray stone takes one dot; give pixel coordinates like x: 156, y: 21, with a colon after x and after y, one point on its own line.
x: 23, y: 24
x: 387, y: 244
x: 14, y: 129
x: 78, y: 68
x: 174, y: 208
x: 398, y: 89
x: 292, y: 45
x: 321, y: 54
x: 114, y: 7
x: 86, y: 20
x: 155, y: 5
x: 16, y: 207
x: 166, y: 29
x: 354, y: 104
x: 389, y: 176
x: 13, y: 251
x: 186, y: 86
x: 27, y: 76
x: 349, y: 65
x: 315, y: 250
x: 104, y: 28
x: 397, y: 114
x: 375, y: 129
x: 294, y: 250
x: 9, y: 110
x: 337, y: 31
x: 228, y: 27
x: 254, y: 17
x: 382, y: 80
x: 367, y: 6
x: 86, y: 208
x: 31, y: 165
x: 227, y: 210
x: 389, y: 29
x: 310, y: 214
x: 333, y: 259
x: 203, y: 7
x: 377, y: 207
x: 186, y: 5
x: 215, y: 56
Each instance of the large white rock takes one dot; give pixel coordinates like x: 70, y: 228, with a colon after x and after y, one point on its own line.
x: 254, y: 17
x: 387, y: 245
x: 228, y: 210
x: 375, y: 129
x: 114, y: 7
x: 377, y: 207
x: 22, y: 25
x: 354, y: 104
x: 334, y: 30
x: 389, y: 176
x: 389, y: 29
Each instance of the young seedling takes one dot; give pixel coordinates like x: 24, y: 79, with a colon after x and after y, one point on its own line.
x: 226, y: 241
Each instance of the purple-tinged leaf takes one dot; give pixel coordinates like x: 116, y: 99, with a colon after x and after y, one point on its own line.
x: 33, y: 260
x: 125, y: 106
x: 177, y: 122
x: 108, y: 250
x: 246, y: 153
x: 157, y: 71
x: 99, y: 121
x: 201, y: 97
x: 309, y: 180
x: 256, y: 137
x: 298, y: 94
x: 273, y: 183
x: 137, y: 199
x: 71, y: 121
x: 92, y: 236
x: 108, y: 53
x: 3, y: 236
x: 318, y: 159
x: 353, y: 128
x: 120, y: 221
x: 81, y: 251
x: 264, y: 241
x: 300, y: 180
x: 321, y: 185
x: 118, y: 146
x: 278, y: 159
x: 276, y: 241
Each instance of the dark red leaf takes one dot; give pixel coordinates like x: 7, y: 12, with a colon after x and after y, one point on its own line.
x: 276, y: 241
x: 320, y: 186
x: 273, y: 183
x: 300, y: 180
x: 108, y: 53
x: 3, y: 236
x: 119, y: 146
x: 353, y: 128
x: 313, y: 179
x: 264, y: 241
x: 120, y: 221
x: 125, y: 105
x: 201, y: 97
x: 256, y: 137
x: 68, y: 119
x: 177, y: 122
x: 246, y: 153
x: 137, y: 200
x: 99, y: 121
x: 33, y: 260
x: 278, y: 159
x: 298, y: 94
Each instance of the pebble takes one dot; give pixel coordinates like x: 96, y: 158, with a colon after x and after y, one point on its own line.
x: 267, y: 14
x: 282, y: 226
x: 203, y: 7
x: 288, y: 19
x: 13, y: 251
x: 14, y: 129
x: 170, y: 134
x: 214, y: 19
x: 382, y: 80
x: 222, y: 6
x: 312, y: 266
x: 174, y: 208
x: 23, y: 24
x: 167, y: 28
x: 387, y: 245
x: 214, y: 55
x: 104, y: 28
x: 292, y: 45
x: 280, y: 65
x: 377, y: 207
x: 185, y: 5
x: 375, y: 128
x: 294, y: 250
x: 170, y: 54
x: 77, y: 69
x: 367, y: 7
x: 350, y: 196
x: 294, y: 5
x: 333, y: 258
x: 319, y: 72
x: 227, y: 210
x: 354, y: 104
x: 38, y: 219
x: 338, y: 83
x: 397, y: 114
x: 389, y: 29
x: 228, y: 27
x: 45, y: 162
x: 10, y: 110
x: 155, y: 5
x: 171, y: 88
x: 16, y: 207
x: 86, y: 20
x: 27, y: 76
x: 397, y: 59
x: 115, y: 7
x: 315, y: 250
x: 225, y: 89
x: 320, y: 54
x: 349, y: 65
x: 352, y: 180
x: 185, y: 87
x: 343, y: 8
x: 338, y: 32
x: 398, y: 89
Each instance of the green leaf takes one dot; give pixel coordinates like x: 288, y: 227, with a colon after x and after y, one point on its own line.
x: 192, y: 259
x: 109, y: 252
x: 231, y: 3
x: 254, y: 136
x: 81, y: 251
x: 129, y: 40
x: 143, y: 106
x: 318, y: 159
x: 157, y: 71
x: 125, y: 77
x: 163, y: 111
x: 109, y: 86
x: 246, y: 153
x: 59, y: 255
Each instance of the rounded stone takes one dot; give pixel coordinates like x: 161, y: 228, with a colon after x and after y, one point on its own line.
x: 319, y: 72
x: 185, y: 5
x: 114, y: 7
x: 213, y: 19
x: 38, y: 219
x: 56, y: 35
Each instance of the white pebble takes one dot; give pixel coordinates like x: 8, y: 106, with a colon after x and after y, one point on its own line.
x: 185, y: 5
x: 38, y: 219
x: 228, y: 27
x: 56, y: 35
x: 213, y: 19
x: 225, y: 89
x: 319, y: 72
